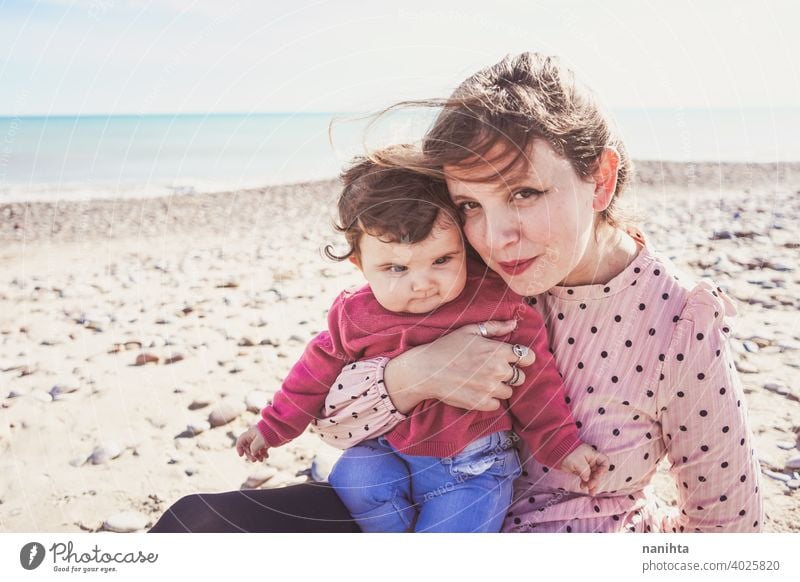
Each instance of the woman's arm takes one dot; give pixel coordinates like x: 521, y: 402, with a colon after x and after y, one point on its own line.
x: 460, y: 368
x: 704, y: 424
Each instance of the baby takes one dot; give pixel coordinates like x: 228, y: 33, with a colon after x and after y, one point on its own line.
x: 443, y: 469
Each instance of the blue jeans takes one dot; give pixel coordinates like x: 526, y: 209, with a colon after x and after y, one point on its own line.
x: 387, y: 491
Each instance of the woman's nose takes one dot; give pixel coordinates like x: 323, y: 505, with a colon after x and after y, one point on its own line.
x: 503, y: 229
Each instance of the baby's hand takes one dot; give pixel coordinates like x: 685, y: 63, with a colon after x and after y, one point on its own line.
x: 588, y: 465
x: 252, y: 444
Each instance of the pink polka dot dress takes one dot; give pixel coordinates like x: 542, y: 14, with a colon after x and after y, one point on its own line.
x: 649, y: 376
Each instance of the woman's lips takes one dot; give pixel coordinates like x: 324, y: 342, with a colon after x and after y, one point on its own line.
x: 516, y: 267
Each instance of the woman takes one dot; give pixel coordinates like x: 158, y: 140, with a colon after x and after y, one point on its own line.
x: 534, y: 166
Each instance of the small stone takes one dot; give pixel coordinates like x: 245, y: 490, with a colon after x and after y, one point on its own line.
x: 259, y: 477
x: 788, y: 345
x: 776, y: 475
x: 226, y: 412
x: 199, y: 403
x: 721, y: 235
x: 189, y: 472
x: 782, y: 267
x: 793, y: 463
x: 198, y: 427
x: 777, y: 387
x: 104, y: 453
x: 65, y: 386
x: 785, y: 445
x: 746, y: 367
x: 146, y: 358
x: 78, y: 462
x: 125, y: 522
x: 762, y: 342
x: 41, y: 396
x: 793, y: 484
x: 156, y: 341
x: 174, y: 357
x: 321, y: 467
x: 256, y: 400
x: 246, y: 342
x: 751, y: 347
x: 296, y: 338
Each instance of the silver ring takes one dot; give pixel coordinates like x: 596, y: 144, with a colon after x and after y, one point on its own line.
x: 520, y: 351
x: 482, y: 329
x: 514, y: 376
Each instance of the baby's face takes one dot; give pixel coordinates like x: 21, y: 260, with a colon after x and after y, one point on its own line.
x: 415, y: 278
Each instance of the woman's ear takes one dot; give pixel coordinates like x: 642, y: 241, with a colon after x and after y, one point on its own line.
x: 605, y: 178
x: 353, y: 259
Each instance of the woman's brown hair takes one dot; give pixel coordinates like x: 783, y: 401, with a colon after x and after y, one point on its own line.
x: 522, y: 98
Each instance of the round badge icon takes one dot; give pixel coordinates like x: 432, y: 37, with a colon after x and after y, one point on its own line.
x: 31, y: 555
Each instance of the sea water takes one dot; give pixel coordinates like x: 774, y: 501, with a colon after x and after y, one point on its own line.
x: 114, y: 156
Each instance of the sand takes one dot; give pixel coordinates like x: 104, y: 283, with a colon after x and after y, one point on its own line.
x: 221, y: 292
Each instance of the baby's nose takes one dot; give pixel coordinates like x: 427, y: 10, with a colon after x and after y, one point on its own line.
x: 422, y: 283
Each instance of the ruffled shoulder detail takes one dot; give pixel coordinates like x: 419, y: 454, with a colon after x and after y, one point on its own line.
x: 708, y: 306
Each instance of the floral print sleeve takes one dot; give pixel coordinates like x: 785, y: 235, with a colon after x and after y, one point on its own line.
x: 358, y: 407
x: 704, y: 423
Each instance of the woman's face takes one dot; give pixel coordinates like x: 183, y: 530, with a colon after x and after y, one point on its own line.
x: 534, y: 225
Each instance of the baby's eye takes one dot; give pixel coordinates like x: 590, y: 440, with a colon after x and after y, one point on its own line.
x: 466, y: 207
x: 396, y: 268
x: 442, y: 260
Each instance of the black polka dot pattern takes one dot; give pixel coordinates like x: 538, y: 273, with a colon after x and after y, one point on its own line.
x: 634, y: 384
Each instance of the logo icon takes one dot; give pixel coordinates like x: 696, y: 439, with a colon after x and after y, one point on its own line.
x: 32, y: 555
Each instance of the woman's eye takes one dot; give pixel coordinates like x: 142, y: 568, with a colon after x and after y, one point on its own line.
x: 396, y: 268
x: 441, y: 260
x: 527, y: 193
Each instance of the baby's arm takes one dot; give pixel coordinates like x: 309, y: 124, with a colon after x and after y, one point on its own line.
x: 541, y: 414
x: 302, y: 394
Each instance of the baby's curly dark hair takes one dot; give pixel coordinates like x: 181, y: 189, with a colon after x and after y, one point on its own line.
x: 394, y: 203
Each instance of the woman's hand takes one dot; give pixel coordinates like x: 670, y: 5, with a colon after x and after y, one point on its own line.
x: 462, y: 369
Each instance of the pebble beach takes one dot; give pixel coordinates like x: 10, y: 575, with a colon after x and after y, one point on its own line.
x: 139, y: 338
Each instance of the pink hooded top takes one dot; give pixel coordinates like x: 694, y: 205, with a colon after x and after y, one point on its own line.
x: 360, y: 328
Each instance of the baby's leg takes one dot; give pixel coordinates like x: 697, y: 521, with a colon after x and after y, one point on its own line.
x: 474, y: 489
x: 373, y: 482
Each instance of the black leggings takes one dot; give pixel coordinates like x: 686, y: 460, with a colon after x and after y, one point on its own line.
x: 308, y: 507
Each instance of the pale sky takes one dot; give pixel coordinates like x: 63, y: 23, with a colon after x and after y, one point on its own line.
x: 168, y: 56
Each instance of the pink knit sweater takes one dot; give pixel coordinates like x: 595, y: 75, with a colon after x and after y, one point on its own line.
x: 649, y: 375
x: 358, y: 328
